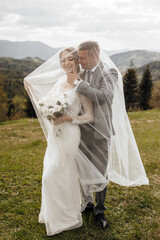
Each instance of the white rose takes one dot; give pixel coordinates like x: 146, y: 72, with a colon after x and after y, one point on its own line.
x: 51, y: 104
x: 57, y: 108
x: 42, y: 109
x: 51, y: 112
x: 60, y: 99
x: 65, y: 105
x: 45, y: 113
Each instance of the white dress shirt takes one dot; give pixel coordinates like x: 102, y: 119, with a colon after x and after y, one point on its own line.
x: 86, y: 75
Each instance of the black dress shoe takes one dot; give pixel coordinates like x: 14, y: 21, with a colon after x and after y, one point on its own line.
x: 101, y: 221
x: 89, y: 207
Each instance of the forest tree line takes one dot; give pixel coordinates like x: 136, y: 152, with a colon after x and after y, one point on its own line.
x: 140, y: 94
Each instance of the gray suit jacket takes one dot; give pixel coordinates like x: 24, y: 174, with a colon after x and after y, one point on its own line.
x: 100, y: 91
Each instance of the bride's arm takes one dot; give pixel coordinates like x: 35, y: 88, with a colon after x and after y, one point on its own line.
x: 88, y: 116
x: 29, y: 89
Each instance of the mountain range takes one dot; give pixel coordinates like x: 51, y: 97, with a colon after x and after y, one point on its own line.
x: 155, y: 70
x: 20, y: 50
x: 39, y: 52
x: 137, y: 57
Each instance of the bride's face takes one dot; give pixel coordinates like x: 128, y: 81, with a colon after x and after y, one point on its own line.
x: 68, y: 62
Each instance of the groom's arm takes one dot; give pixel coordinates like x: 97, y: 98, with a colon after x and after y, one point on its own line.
x: 105, y: 93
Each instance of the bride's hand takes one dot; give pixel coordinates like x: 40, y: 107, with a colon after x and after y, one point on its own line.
x: 27, y: 89
x: 59, y: 120
x: 72, y: 76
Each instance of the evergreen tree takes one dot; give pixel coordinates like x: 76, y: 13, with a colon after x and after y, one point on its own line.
x: 130, y: 88
x: 155, y: 98
x: 17, y: 108
x: 145, y: 89
x: 3, y: 104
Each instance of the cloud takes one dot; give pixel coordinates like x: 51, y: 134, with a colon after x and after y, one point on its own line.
x: 116, y: 21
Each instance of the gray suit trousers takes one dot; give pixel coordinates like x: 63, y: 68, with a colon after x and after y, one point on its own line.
x: 96, y: 151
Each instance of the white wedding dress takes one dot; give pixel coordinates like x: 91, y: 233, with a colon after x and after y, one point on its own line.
x: 64, y: 168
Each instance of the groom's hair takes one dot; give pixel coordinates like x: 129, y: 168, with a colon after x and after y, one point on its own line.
x: 91, y: 46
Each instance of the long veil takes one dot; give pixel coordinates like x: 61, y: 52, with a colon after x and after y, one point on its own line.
x: 111, y: 124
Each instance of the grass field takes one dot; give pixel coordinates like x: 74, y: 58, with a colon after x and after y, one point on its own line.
x: 132, y: 213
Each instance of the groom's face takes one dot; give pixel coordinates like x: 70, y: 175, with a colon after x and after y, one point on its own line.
x: 86, y: 60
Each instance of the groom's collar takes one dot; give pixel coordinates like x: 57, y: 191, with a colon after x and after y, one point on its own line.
x: 94, y: 68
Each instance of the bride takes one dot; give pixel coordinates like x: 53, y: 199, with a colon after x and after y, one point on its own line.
x: 66, y: 170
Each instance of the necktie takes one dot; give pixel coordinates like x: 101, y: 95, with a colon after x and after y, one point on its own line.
x: 89, y: 76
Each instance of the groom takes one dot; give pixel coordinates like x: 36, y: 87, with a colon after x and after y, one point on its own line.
x: 96, y: 84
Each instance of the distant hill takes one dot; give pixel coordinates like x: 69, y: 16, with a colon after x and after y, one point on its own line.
x: 12, y: 73
x: 23, y: 66
x: 25, y: 49
x: 12, y: 92
x: 113, y: 52
x: 10, y: 66
x: 155, y: 69
x: 14, y: 102
x: 20, y: 50
x: 139, y: 58
x: 39, y: 50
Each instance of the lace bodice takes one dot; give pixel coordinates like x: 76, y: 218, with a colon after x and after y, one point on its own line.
x: 77, y: 101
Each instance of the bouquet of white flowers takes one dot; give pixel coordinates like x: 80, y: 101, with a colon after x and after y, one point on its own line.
x: 54, y: 105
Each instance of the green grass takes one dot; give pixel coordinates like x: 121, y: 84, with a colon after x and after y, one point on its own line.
x: 132, y: 213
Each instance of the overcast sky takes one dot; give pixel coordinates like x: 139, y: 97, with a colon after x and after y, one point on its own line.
x: 116, y: 24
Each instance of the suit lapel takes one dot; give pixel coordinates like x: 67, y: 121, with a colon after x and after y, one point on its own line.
x: 97, y: 75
